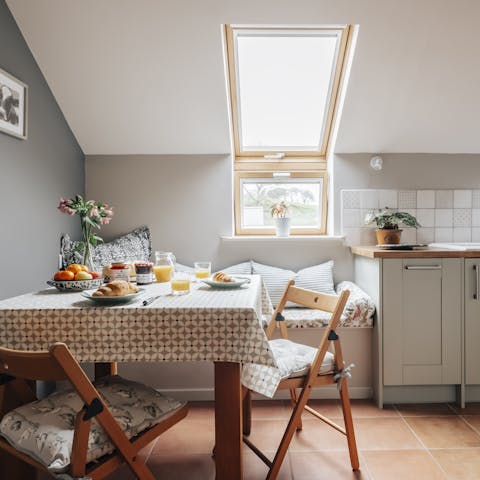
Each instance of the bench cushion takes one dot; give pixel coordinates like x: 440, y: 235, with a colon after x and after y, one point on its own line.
x: 359, y: 311
x: 44, y: 429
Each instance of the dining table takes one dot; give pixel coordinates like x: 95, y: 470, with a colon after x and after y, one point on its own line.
x: 218, y: 325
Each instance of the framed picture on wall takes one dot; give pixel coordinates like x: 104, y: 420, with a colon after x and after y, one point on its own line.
x: 13, y: 105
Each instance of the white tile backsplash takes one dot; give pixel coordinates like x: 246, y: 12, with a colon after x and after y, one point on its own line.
x: 443, y: 198
x: 444, y: 215
x: 476, y: 217
x: 387, y: 198
x: 462, y: 199
x: 369, y: 199
x: 476, y: 199
x: 407, y: 199
x: 462, y: 234
x: 443, y: 234
x: 426, y: 199
x: 462, y: 217
x: 426, y: 217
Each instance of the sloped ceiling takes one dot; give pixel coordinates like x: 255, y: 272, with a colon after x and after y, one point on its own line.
x: 147, y: 76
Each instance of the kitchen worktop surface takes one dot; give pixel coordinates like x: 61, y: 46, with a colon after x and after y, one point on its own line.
x: 426, y: 252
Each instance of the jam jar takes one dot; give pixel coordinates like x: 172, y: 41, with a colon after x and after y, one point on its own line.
x: 144, y: 272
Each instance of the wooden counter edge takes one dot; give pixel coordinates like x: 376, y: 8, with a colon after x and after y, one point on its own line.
x: 374, y: 252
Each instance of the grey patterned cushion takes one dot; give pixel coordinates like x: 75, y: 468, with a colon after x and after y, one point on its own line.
x: 133, y: 246
x: 44, y: 429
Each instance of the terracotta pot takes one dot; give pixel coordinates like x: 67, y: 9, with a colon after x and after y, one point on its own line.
x: 390, y: 236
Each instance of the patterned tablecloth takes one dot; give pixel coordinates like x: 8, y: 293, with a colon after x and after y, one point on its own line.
x: 205, y: 325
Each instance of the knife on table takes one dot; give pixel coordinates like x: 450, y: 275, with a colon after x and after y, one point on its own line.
x: 150, y: 300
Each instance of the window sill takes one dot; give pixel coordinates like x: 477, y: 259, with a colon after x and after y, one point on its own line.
x: 291, y: 238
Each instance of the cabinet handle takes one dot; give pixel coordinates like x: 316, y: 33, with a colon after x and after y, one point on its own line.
x: 423, y: 267
x: 475, y: 290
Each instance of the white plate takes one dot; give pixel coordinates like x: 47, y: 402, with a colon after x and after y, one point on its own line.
x: 237, y: 282
x: 122, y: 299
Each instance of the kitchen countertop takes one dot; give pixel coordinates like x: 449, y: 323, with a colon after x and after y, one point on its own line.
x: 427, y: 252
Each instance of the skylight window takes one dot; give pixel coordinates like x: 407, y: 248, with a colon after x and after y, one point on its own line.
x: 284, y: 85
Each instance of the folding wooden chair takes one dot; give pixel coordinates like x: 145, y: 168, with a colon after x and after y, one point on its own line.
x: 322, y: 368
x: 119, y: 406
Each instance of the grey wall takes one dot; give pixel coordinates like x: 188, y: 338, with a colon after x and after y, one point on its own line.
x: 188, y: 203
x: 34, y: 173
x: 404, y: 171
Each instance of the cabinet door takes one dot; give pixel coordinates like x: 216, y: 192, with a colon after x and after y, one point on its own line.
x: 472, y: 321
x: 422, y: 321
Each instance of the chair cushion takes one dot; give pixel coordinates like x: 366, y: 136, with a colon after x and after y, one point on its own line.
x: 44, y: 429
x: 318, y: 278
x: 133, y: 246
x: 294, y: 359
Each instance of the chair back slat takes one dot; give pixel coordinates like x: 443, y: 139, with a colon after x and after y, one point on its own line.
x: 34, y: 365
x: 311, y: 299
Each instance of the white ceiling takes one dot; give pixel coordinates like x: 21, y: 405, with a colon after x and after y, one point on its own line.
x: 147, y: 76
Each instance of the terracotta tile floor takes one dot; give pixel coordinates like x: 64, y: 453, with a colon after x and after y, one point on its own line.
x: 400, y: 442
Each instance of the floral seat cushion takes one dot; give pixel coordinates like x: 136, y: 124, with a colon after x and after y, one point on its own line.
x: 358, y: 312
x: 294, y: 359
x: 44, y: 429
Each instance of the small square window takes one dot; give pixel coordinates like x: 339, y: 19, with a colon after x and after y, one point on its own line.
x: 303, y: 193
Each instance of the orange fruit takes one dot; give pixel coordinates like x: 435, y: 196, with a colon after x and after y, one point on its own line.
x: 84, y: 268
x: 75, y: 268
x: 82, y: 275
x: 64, y: 275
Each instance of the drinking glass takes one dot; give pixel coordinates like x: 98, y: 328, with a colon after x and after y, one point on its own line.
x: 202, y: 269
x: 180, y: 283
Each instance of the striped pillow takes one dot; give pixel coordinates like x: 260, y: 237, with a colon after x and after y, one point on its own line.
x: 318, y: 278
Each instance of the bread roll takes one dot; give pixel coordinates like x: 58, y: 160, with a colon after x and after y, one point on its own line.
x: 222, y: 277
x: 116, y: 288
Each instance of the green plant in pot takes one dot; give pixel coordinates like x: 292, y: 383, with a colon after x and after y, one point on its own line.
x: 388, y: 221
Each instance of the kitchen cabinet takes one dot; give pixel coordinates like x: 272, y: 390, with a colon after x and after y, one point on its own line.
x: 472, y: 321
x: 422, y: 317
x: 418, y: 343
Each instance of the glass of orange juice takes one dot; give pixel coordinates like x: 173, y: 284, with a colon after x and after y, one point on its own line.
x: 180, y: 283
x: 202, y: 269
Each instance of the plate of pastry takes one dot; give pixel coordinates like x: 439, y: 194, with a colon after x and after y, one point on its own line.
x: 223, y: 280
x: 117, y: 291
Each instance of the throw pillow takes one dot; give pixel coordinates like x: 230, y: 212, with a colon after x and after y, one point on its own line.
x: 133, y: 246
x: 318, y: 278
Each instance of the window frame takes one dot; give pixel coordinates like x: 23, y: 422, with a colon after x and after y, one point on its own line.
x: 261, y: 164
x: 344, y: 33
x: 239, y: 175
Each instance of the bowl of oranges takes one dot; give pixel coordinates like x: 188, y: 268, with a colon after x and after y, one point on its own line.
x: 75, y: 278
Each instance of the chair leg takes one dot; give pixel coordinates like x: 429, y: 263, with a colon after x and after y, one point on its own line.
x: 247, y: 411
x: 289, y: 432
x: 293, y: 402
x: 347, y: 417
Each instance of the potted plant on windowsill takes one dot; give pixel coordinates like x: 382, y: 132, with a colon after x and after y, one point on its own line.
x: 279, y: 213
x: 388, y: 221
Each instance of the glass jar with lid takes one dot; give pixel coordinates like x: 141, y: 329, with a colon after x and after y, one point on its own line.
x: 164, y: 266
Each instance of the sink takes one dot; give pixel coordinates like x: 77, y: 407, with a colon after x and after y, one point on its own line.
x: 457, y: 246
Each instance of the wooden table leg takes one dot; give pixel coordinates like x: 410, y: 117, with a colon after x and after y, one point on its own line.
x: 105, y: 369
x: 228, y: 421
